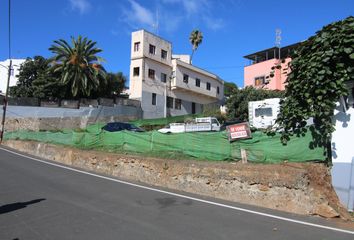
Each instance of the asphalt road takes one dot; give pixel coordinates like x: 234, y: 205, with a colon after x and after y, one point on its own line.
x: 45, y: 201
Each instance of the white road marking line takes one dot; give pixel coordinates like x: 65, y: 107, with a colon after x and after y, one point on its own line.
x: 185, y: 196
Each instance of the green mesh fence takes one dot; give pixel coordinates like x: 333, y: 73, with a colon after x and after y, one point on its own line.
x: 164, y: 121
x: 204, y: 145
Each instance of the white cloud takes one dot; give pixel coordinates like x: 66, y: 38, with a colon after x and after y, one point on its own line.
x: 191, y: 6
x: 83, y: 6
x: 214, y: 23
x: 199, y: 10
x: 138, y: 16
x: 171, y: 14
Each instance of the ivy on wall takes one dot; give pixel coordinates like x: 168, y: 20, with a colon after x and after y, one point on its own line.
x: 320, y: 67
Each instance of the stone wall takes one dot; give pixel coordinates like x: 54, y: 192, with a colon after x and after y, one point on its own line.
x: 303, y: 188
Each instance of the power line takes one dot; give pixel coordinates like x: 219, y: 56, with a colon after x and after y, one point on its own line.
x: 223, y: 67
x: 9, y: 29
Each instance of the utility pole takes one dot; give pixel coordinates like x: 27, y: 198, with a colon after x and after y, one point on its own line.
x: 5, y: 102
x: 8, y: 80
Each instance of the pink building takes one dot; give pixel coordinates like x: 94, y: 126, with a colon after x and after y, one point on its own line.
x: 258, y: 73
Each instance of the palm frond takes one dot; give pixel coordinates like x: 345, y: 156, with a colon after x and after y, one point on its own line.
x: 78, y: 65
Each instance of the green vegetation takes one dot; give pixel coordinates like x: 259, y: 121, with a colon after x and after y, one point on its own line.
x: 163, y: 121
x: 35, y: 80
x: 195, y: 38
x: 213, y: 111
x: 320, y: 68
x: 197, y: 145
x: 73, y: 72
x: 78, y: 65
x: 229, y: 88
x: 113, y: 86
x: 157, y: 123
x: 237, y: 103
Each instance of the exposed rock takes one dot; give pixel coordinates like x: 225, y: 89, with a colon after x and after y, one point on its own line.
x: 263, y: 188
x: 324, y: 210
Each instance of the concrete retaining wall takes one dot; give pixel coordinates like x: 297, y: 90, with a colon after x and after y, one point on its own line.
x: 46, y: 118
x: 298, y: 188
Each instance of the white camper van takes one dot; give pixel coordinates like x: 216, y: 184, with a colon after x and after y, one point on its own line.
x: 262, y: 114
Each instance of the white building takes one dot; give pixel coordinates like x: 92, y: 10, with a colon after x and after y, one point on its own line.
x: 166, y: 84
x: 4, y: 66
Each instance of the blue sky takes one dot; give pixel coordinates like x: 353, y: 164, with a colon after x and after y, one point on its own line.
x: 231, y: 28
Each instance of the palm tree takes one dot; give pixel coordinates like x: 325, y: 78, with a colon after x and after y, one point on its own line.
x: 78, y: 65
x: 196, y: 38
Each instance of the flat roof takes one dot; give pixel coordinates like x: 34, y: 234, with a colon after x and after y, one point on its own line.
x: 198, y: 69
x: 272, y: 52
x: 153, y: 34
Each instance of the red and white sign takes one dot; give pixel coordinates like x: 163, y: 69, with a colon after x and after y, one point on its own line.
x: 238, y: 131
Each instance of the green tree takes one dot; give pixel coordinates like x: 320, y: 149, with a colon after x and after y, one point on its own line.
x: 29, y: 71
x: 49, y: 86
x: 195, y: 38
x: 113, y: 86
x: 78, y: 65
x: 320, y: 67
x: 35, y: 79
x: 229, y: 88
x: 237, y: 103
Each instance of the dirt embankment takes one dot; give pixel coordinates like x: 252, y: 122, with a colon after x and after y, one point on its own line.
x: 302, y: 188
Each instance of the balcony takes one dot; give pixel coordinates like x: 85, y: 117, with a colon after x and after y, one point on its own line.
x: 177, y: 84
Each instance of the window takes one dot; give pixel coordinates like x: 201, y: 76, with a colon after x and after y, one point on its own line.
x: 163, y: 77
x: 153, y: 102
x: 264, y: 112
x: 163, y: 54
x: 258, y: 81
x: 185, y: 78
x: 178, y: 103
x: 136, y: 71
x: 151, y: 74
x: 169, y: 102
x: 217, y: 90
x: 197, y: 82
x: 136, y: 46
x: 208, y: 86
x: 152, y: 49
x: 193, y: 107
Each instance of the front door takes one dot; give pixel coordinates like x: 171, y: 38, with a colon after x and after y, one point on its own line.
x: 193, y: 107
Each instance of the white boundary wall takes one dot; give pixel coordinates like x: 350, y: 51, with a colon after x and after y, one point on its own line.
x: 343, y: 155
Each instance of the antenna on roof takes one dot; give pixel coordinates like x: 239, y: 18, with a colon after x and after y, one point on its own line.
x: 278, y: 39
x: 156, y: 24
